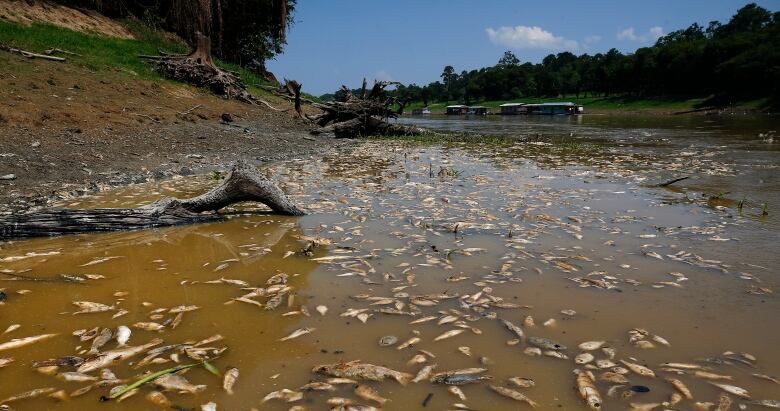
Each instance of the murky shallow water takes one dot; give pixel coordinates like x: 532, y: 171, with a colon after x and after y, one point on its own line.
x: 471, y: 234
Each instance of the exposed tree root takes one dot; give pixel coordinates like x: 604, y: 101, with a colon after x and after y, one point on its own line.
x: 363, y: 115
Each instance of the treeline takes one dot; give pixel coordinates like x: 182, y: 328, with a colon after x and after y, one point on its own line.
x: 738, y: 60
x: 246, y: 32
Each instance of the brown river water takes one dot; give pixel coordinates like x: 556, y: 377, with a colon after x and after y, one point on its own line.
x: 562, y: 233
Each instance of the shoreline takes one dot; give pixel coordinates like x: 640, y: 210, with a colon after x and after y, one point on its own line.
x: 56, y: 167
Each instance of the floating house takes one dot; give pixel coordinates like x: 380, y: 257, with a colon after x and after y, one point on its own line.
x: 513, y: 108
x: 421, y: 111
x: 555, y: 108
x: 457, y: 110
x: 478, y: 110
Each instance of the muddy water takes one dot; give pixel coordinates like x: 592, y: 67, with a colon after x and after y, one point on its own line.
x: 572, y: 234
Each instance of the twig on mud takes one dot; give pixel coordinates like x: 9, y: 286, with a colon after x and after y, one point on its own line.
x: 145, y: 115
x: 184, y: 113
x: 670, y: 182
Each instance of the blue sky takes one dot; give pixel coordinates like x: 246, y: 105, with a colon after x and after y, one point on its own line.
x: 336, y: 42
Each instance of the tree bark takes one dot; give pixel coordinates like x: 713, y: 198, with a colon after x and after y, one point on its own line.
x: 244, y: 183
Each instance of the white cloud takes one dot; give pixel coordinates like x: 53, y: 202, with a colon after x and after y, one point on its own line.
x: 627, y: 34
x: 656, y: 32
x: 592, y: 39
x: 630, y: 34
x: 525, y: 37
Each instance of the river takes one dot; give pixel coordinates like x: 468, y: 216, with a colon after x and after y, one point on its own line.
x: 447, y: 250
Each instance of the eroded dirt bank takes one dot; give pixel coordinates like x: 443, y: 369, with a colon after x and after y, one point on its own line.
x: 65, y: 129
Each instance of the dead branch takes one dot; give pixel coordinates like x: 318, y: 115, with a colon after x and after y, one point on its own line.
x: 30, y: 55
x: 49, y: 52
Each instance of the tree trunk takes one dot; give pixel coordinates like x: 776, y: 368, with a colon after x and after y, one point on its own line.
x: 244, y: 183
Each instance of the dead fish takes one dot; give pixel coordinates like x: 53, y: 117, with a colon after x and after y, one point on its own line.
x: 460, y: 377
x: 584, y: 358
x: 424, y: 373
x: 67, y: 361
x: 681, y: 365
x: 122, y: 335
x: 388, y: 340
x: 297, y: 333
x: 639, y: 369
x: 532, y: 351
x: 175, y: 382
x: 229, y: 380
x: 588, y: 391
x: 555, y: 354
x: 76, y: 376
x: 369, y: 394
x: 88, y: 307
x: 102, y: 339
x: 322, y: 309
x: 417, y: 359
x: 661, y: 340
x: 767, y: 377
x: 613, y: 377
x: 28, y: 394
x: 681, y: 387
x: 356, y: 369
x: 732, y: 389
x: 21, y: 342
x: 107, y: 358
x: 209, y: 406
x: 60, y: 395
x: 522, y: 382
x: 5, y: 361
x: 644, y: 407
x: 284, y: 395
x: 149, y: 326
x: 515, y: 395
x: 546, y: 343
x: 408, y: 343
x: 318, y: 386
x: 11, y: 328
x: 766, y: 403
x: 449, y: 334
x: 337, y: 381
x: 591, y: 345
x: 159, y: 399
x: 712, y: 376
x: 515, y: 329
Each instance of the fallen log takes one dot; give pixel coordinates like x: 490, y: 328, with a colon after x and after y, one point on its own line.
x: 244, y: 183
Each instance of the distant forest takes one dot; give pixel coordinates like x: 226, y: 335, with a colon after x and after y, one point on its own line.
x: 735, y: 61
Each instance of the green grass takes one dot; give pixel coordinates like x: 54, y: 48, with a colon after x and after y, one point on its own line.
x: 600, y: 103
x: 100, y: 53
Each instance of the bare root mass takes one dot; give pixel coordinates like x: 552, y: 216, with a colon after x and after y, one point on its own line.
x: 198, y: 68
x: 362, y: 115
